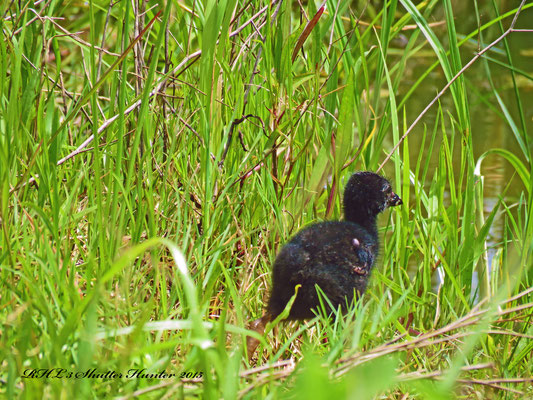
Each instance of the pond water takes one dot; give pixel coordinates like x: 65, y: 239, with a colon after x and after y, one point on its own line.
x: 489, y: 129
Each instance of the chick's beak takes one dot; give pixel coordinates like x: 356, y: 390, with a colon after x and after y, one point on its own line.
x: 394, y: 200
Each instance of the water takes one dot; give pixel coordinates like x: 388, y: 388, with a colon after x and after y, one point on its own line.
x: 489, y: 129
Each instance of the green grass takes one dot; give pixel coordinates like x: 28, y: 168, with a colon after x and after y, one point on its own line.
x: 151, y: 247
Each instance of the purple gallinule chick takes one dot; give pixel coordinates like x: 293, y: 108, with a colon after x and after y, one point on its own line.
x: 338, y: 256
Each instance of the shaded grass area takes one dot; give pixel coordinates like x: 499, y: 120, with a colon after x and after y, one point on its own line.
x: 154, y: 158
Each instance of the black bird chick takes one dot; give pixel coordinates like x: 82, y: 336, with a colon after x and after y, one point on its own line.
x: 338, y: 256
